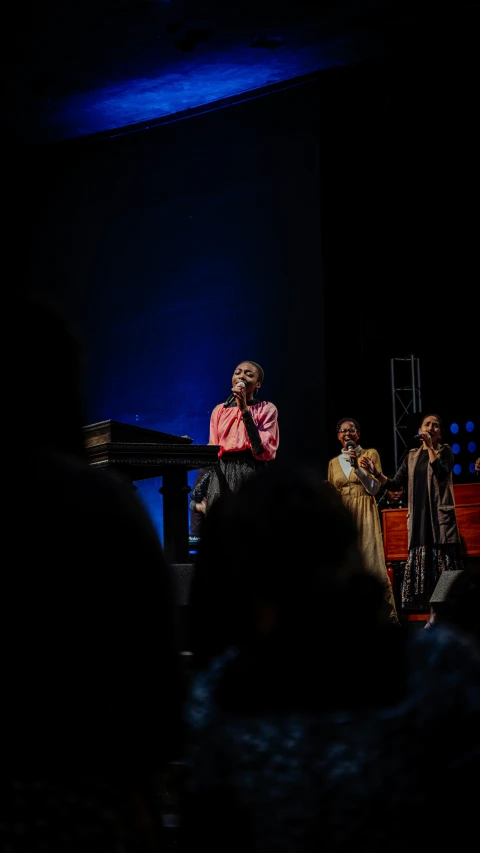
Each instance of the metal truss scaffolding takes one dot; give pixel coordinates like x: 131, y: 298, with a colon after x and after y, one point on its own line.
x: 406, y: 400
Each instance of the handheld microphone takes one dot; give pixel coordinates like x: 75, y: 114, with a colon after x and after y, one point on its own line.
x: 350, y: 445
x: 418, y: 436
x: 232, y: 398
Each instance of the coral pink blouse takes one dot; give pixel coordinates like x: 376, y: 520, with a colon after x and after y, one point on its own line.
x: 227, y: 429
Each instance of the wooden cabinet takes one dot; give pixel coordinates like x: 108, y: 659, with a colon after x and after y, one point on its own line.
x: 467, y: 505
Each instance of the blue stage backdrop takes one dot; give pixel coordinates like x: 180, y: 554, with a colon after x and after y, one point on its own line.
x: 179, y: 253
x: 308, y: 230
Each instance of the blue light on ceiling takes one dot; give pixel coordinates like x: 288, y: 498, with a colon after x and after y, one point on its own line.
x: 192, y: 84
x: 454, y: 428
x: 142, y: 100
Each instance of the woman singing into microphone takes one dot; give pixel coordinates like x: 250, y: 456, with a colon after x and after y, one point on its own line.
x: 246, y: 430
x: 433, y: 537
x: 358, y: 488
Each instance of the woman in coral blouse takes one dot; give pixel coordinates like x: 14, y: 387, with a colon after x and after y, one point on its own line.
x: 246, y: 430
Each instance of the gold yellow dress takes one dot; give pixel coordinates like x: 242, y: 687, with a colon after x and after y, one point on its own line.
x: 364, y: 509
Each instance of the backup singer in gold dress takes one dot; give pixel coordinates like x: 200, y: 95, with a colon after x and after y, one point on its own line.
x: 358, y: 488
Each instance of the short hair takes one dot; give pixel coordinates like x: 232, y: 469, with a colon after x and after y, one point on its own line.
x: 261, y: 374
x: 352, y: 420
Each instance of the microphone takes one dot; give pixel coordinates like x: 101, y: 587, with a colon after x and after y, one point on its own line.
x: 418, y: 436
x: 232, y: 398
x: 350, y: 445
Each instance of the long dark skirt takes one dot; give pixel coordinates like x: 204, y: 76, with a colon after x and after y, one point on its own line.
x: 423, y: 568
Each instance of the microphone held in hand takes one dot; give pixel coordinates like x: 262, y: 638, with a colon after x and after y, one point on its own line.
x: 350, y: 445
x: 232, y: 398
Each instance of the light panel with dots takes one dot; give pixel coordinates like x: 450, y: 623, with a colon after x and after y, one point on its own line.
x: 462, y: 438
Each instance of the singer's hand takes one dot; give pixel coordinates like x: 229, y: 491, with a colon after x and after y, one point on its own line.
x: 367, y: 463
x: 353, y: 458
x: 202, y: 506
x: 426, y: 439
x: 350, y: 448
x: 240, y: 393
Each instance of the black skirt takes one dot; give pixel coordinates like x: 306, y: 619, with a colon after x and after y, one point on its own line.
x: 233, y: 470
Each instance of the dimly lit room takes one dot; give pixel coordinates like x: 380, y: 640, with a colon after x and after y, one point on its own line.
x: 193, y: 183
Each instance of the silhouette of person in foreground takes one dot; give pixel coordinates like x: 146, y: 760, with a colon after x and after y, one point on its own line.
x: 91, y: 690
x: 312, y: 722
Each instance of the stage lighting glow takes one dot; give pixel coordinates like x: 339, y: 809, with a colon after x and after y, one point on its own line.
x: 463, y: 432
x: 186, y: 88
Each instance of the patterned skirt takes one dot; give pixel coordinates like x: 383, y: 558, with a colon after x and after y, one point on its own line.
x: 423, y: 568
x: 233, y: 470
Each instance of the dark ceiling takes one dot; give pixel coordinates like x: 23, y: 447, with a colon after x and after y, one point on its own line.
x: 104, y: 66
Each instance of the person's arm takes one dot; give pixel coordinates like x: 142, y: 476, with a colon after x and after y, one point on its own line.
x: 365, y: 475
x: 198, y: 494
x: 253, y: 433
x: 391, y: 483
x: 370, y: 484
x: 441, y: 461
x: 330, y: 472
x: 262, y: 433
x: 263, y: 436
x: 213, y: 437
x: 199, y: 506
x: 380, y: 477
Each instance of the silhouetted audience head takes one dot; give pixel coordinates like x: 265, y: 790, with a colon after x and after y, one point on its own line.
x: 309, y: 716
x: 91, y: 685
x: 46, y: 375
x: 278, y: 566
